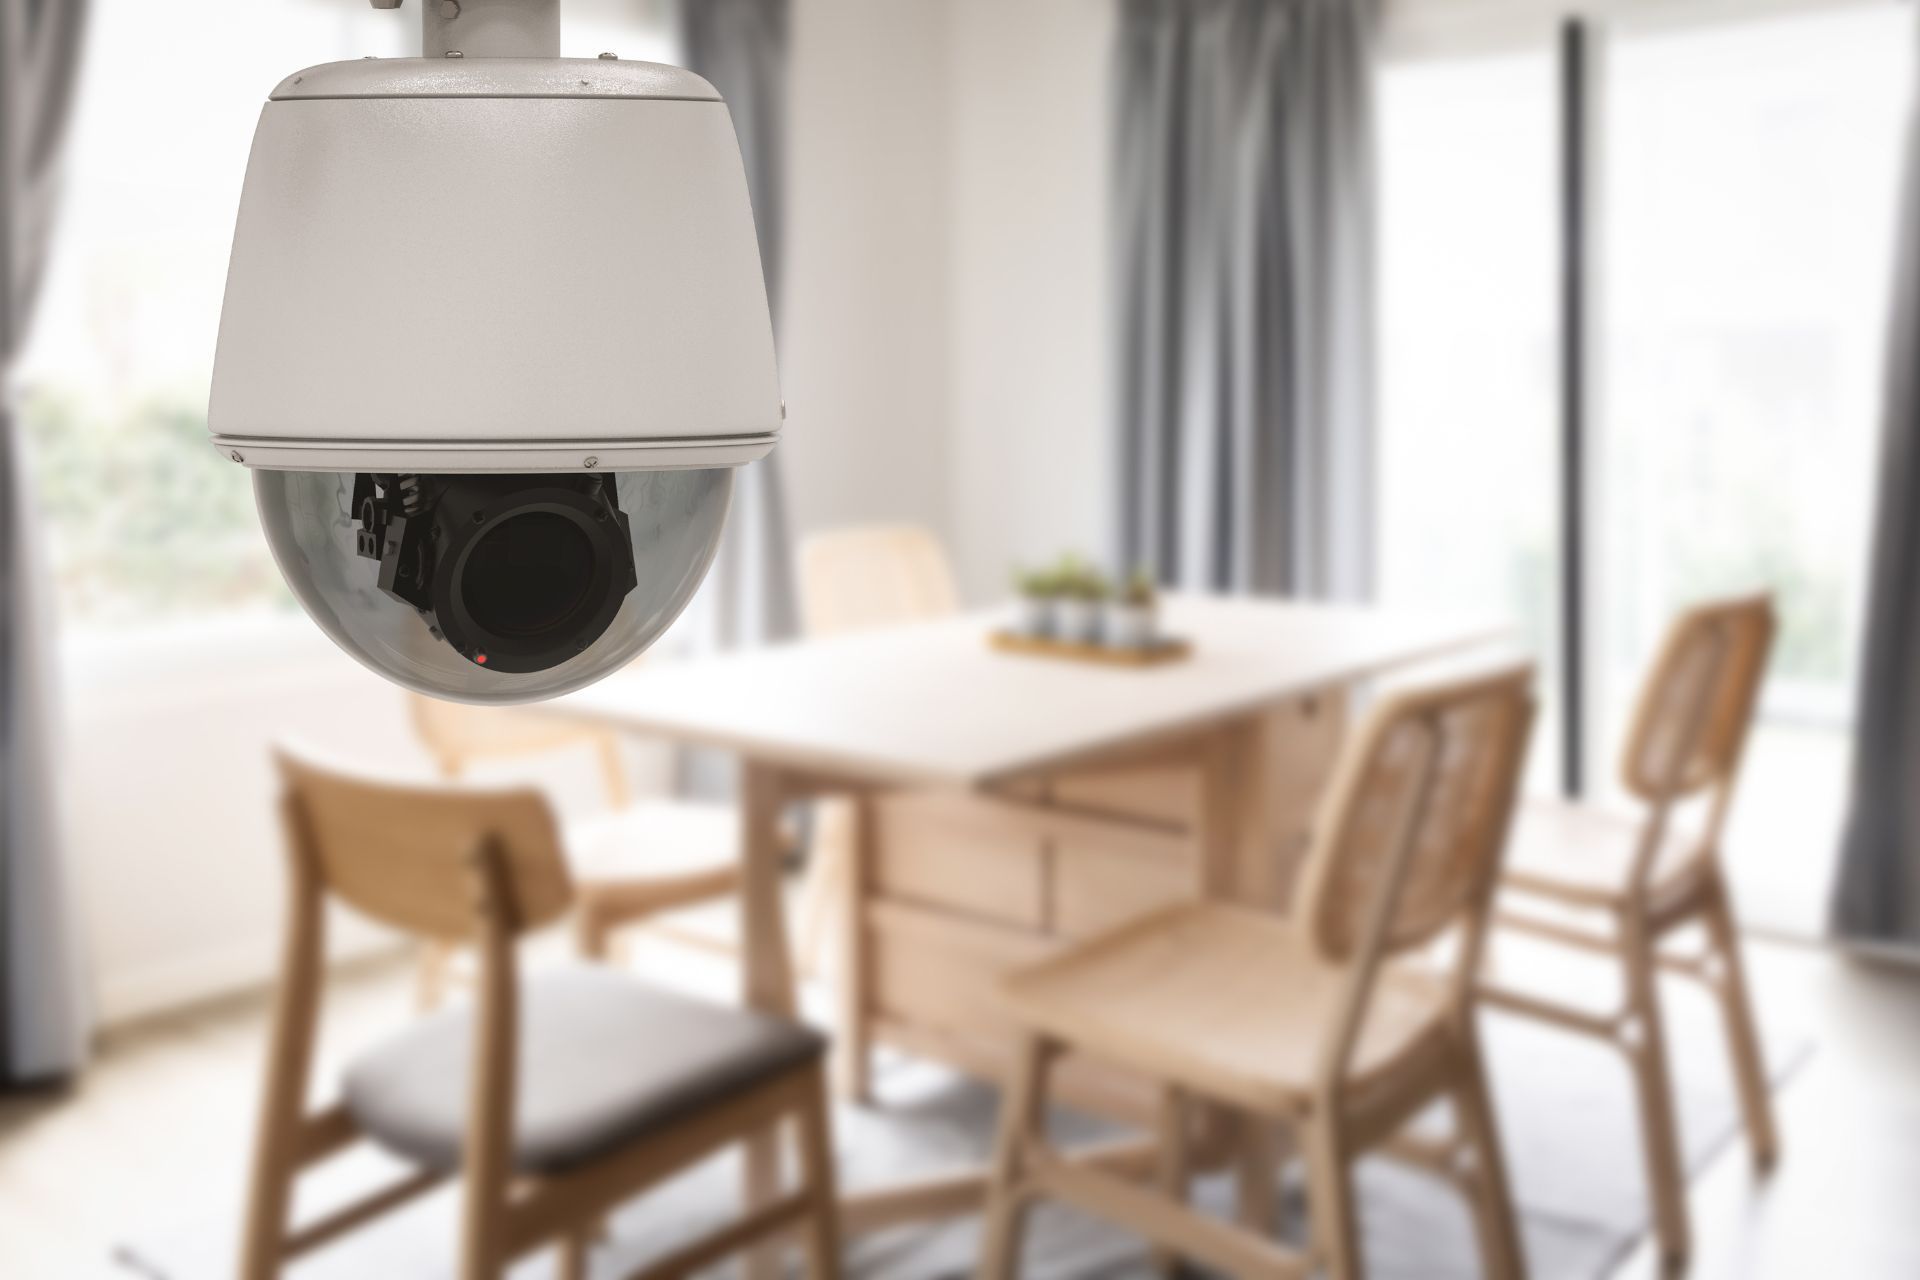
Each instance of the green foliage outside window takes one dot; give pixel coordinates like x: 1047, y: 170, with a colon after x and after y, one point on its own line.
x: 145, y: 520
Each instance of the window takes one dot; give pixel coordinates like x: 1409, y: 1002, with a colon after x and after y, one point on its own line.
x: 1741, y: 230
x: 1468, y: 350
x: 1751, y: 190
x: 146, y: 521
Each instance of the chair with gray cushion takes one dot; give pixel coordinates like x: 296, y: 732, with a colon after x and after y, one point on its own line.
x: 554, y: 1097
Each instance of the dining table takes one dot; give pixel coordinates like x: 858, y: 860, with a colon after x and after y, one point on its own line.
x: 1008, y: 803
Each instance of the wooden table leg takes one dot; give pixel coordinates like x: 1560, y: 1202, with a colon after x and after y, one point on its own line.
x: 765, y: 967
x: 1242, y: 839
x: 853, y: 1047
x: 1226, y: 766
x: 1287, y: 759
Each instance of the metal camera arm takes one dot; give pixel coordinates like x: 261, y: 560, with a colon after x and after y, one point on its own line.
x: 487, y: 28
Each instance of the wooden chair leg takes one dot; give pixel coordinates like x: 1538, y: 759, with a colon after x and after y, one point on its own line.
x: 1172, y: 1171
x: 574, y: 1253
x: 592, y: 936
x: 1257, y: 1177
x: 269, y: 1201
x: 1660, y: 1134
x: 1330, y: 1201
x: 430, y: 976
x: 1022, y: 1121
x: 763, y: 1174
x: 1743, y: 1037
x: 816, y: 1166
x: 480, y: 1253
x: 1501, y: 1256
x: 276, y: 1154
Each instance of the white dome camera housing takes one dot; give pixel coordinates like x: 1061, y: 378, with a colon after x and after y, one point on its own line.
x: 495, y: 336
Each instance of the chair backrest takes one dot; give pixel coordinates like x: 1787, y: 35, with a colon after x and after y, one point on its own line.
x: 1691, y: 721
x: 405, y: 854
x: 873, y: 576
x: 457, y: 735
x: 1417, y: 816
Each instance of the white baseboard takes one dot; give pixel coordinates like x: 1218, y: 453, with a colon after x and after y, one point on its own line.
x: 210, y: 973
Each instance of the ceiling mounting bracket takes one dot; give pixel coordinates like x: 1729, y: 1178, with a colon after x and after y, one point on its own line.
x: 487, y: 28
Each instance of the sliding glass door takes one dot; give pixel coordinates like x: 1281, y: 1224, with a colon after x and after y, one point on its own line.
x: 1467, y: 348
x: 1740, y: 227
x: 1751, y: 189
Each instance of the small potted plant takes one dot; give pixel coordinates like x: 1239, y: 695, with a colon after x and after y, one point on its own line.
x: 1133, y: 615
x: 1083, y: 592
x: 1038, y: 592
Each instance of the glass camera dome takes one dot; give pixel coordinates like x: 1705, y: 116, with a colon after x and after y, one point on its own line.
x: 490, y: 588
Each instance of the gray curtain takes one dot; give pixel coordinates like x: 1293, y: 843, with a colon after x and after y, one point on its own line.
x: 740, y: 46
x: 1877, y: 895
x: 1245, y: 202
x: 43, y: 1013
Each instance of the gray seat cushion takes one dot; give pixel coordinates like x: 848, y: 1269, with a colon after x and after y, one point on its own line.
x: 603, y: 1061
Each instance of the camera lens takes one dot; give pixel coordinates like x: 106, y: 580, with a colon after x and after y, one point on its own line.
x: 515, y: 573
x: 488, y: 587
x: 528, y: 575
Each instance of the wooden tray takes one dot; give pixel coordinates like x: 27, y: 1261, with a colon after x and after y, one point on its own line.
x: 1157, y: 654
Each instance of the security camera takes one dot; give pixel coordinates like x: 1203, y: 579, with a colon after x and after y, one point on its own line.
x: 495, y: 338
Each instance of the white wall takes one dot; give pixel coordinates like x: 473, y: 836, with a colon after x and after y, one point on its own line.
x: 944, y: 333
x: 173, y: 831
x: 1031, y: 446
x: 864, y: 349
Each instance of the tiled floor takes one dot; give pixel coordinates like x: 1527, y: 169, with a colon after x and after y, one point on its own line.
x: 1844, y: 1202
x: 172, y: 1101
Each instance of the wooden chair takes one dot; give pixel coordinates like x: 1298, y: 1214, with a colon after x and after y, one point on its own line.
x: 1342, y: 1022
x: 639, y: 860
x: 857, y: 579
x: 1648, y: 878
x: 873, y: 576
x: 554, y: 1098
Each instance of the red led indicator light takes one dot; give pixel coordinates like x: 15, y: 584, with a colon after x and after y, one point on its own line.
x: 480, y: 658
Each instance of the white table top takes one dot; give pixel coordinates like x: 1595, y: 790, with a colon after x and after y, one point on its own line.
x: 932, y: 704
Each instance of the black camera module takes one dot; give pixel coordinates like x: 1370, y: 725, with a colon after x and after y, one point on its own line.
x: 516, y: 573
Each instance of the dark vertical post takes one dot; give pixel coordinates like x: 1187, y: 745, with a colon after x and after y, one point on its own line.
x: 1574, y: 161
